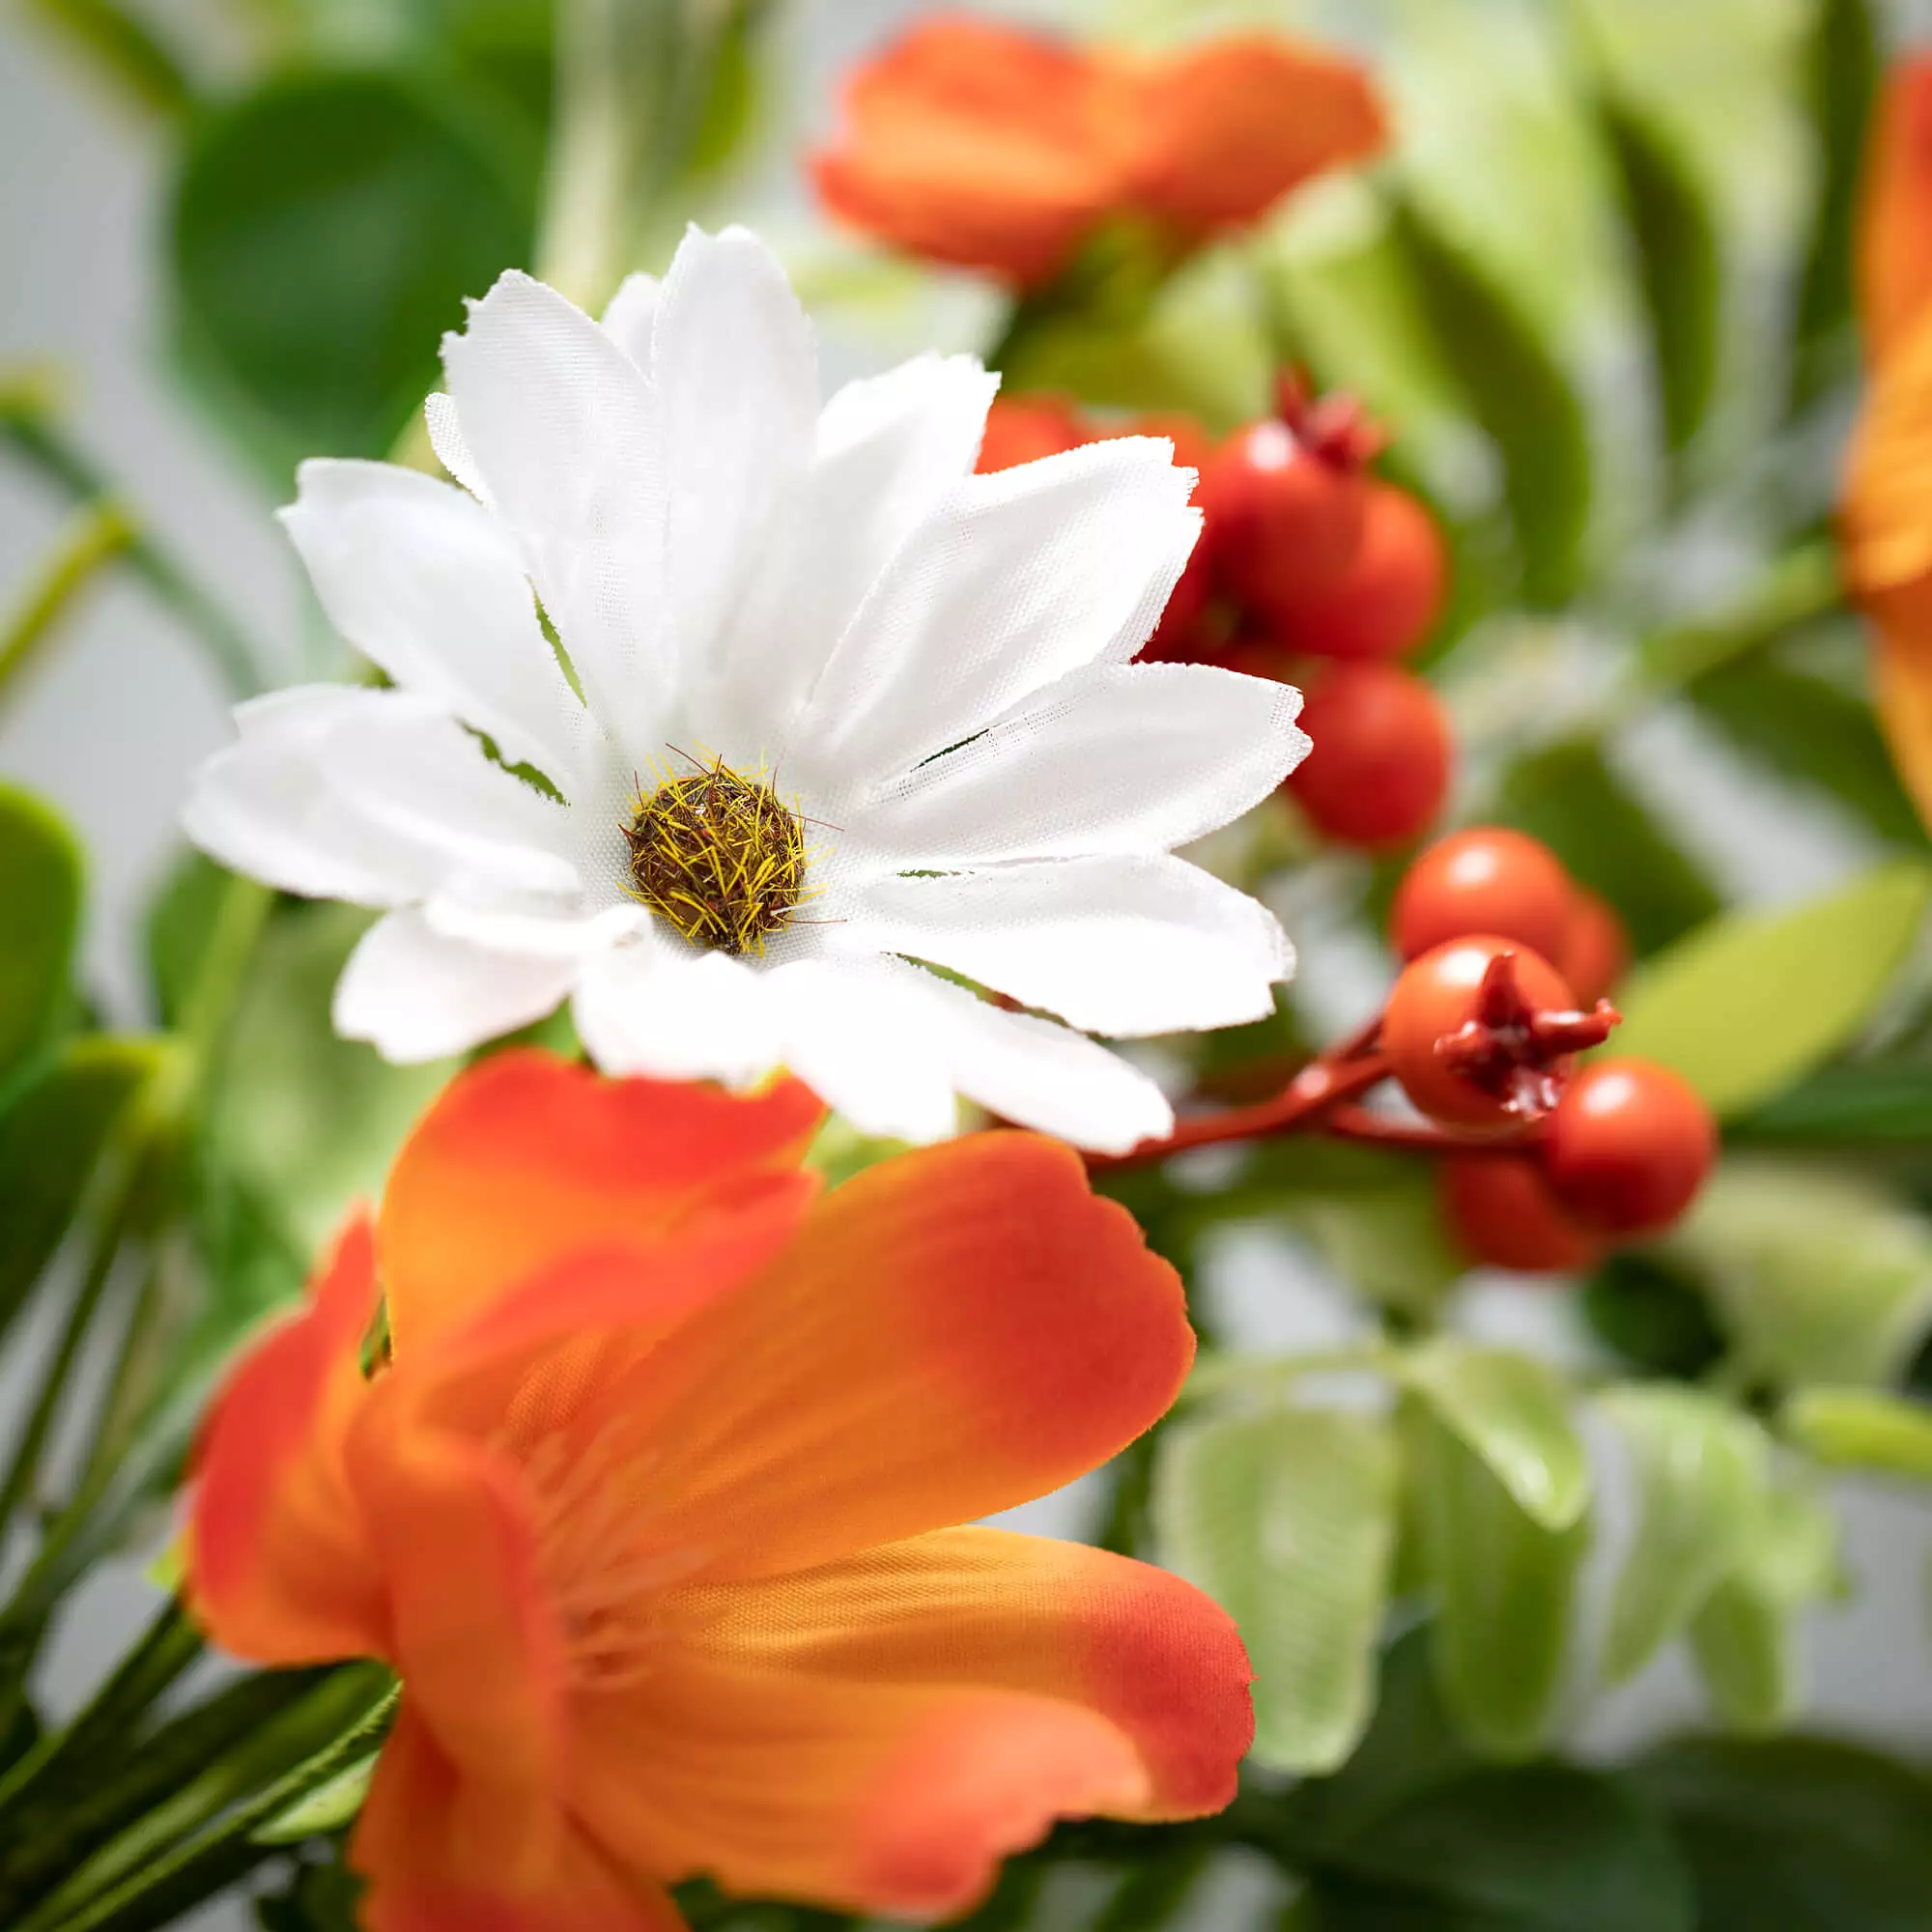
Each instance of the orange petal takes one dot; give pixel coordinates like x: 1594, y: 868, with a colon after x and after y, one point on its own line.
x: 474, y: 1635
x: 427, y: 1874
x: 279, y: 1566
x: 1904, y: 681
x: 1158, y: 1660
x: 894, y: 1800
x: 1225, y: 130
x: 974, y: 143
x: 954, y: 1331
x: 1885, y: 524
x: 528, y: 1158
x: 1895, y: 242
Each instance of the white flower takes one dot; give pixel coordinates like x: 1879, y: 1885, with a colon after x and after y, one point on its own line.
x: 845, y: 705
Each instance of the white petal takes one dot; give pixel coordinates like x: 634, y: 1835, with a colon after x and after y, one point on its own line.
x: 1022, y: 577
x: 653, y: 1007
x: 736, y: 374
x: 1037, y: 1075
x: 1121, y: 759
x: 632, y: 315
x: 268, y: 804
x: 416, y: 995
x: 858, y: 1034
x: 1121, y: 947
x: 428, y: 584
x: 561, y: 426
x: 889, y: 450
x: 536, y: 931
x: 446, y: 438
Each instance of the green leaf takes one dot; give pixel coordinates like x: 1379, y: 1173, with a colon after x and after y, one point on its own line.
x: 1746, y: 1636
x: 1286, y: 1519
x: 1519, y: 393
x: 1863, y: 1428
x: 1679, y: 264
x: 1514, y: 1412
x: 327, y: 227
x: 1756, y: 1000
x: 1702, y: 1470
x: 1568, y: 796
x: 1796, y: 1833
x: 1654, y: 1316
x: 1819, y: 1276
x: 1867, y: 1103
x: 180, y: 920
x: 329, y: 1808
x: 1812, y: 729
x: 1843, y: 67
x: 1388, y: 1243
x: 317, y: 1898
x: 40, y: 919
x: 1542, y: 1849
x: 51, y: 1140
x: 1504, y: 1589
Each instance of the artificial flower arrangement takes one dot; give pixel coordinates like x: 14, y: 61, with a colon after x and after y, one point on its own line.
x: 732, y: 1036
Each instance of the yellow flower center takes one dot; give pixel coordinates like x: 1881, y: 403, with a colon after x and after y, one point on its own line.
x: 719, y: 856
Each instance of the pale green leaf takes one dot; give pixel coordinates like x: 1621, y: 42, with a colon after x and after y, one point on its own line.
x: 1514, y: 1412
x: 1702, y: 1470
x: 1753, y: 1001
x: 1286, y: 1519
x: 1861, y: 1429
x: 1819, y: 1275
x: 39, y: 913
x: 329, y: 1808
x: 1388, y: 1243
x: 1746, y: 1636
x: 1504, y: 1589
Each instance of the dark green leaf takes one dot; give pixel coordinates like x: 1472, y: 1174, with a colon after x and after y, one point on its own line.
x: 1531, y: 1850
x: 1843, y: 65
x: 318, y: 1898
x: 1520, y: 394
x: 180, y: 920
x: 1679, y: 266
x: 40, y: 918
x: 1654, y: 1316
x: 1568, y: 796
x: 1865, y: 1103
x: 1504, y: 1589
x: 1797, y: 1835
x: 51, y: 1140
x: 327, y: 228
x: 1814, y: 729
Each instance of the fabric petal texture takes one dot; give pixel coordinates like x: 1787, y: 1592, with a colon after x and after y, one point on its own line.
x: 713, y: 703
x: 652, y: 1504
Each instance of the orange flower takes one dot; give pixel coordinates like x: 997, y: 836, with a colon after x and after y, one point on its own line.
x: 988, y: 147
x: 647, y: 1512
x: 1886, y: 521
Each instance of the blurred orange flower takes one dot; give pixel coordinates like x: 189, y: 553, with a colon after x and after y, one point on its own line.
x: 1886, y: 520
x: 647, y: 1512
x: 988, y: 147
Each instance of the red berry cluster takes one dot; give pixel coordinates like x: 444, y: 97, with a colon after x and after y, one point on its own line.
x: 1305, y: 555
x: 1482, y: 1030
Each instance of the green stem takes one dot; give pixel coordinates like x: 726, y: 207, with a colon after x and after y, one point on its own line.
x: 29, y: 428
x: 96, y: 535
x: 1803, y: 585
x: 125, y: 51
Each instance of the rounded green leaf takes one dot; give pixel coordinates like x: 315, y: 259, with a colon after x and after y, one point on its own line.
x: 1753, y: 1001
x: 327, y: 228
x: 329, y: 1808
x: 1514, y: 1412
x: 1860, y: 1428
x: 1505, y: 1587
x: 1286, y: 1519
x: 40, y: 918
x: 1702, y: 1468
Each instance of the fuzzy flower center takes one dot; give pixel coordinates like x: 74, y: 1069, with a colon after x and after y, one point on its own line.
x: 719, y: 856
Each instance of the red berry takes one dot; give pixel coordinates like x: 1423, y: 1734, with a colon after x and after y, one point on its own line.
x: 1387, y: 600
x: 1596, y: 951
x: 1379, y: 767
x: 1022, y: 429
x: 1629, y: 1146
x: 1503, y: 1211
x: 1481, y: 1032
x: 1179, y: 636
x: 1484, y: 879
x: 1284, y: 513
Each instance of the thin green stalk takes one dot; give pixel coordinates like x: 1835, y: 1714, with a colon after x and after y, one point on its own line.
x: 1803, y: 585
x: 166, y: 1876
x: 125, y: 51
x: 96, y: 535
x: 30, y: 428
